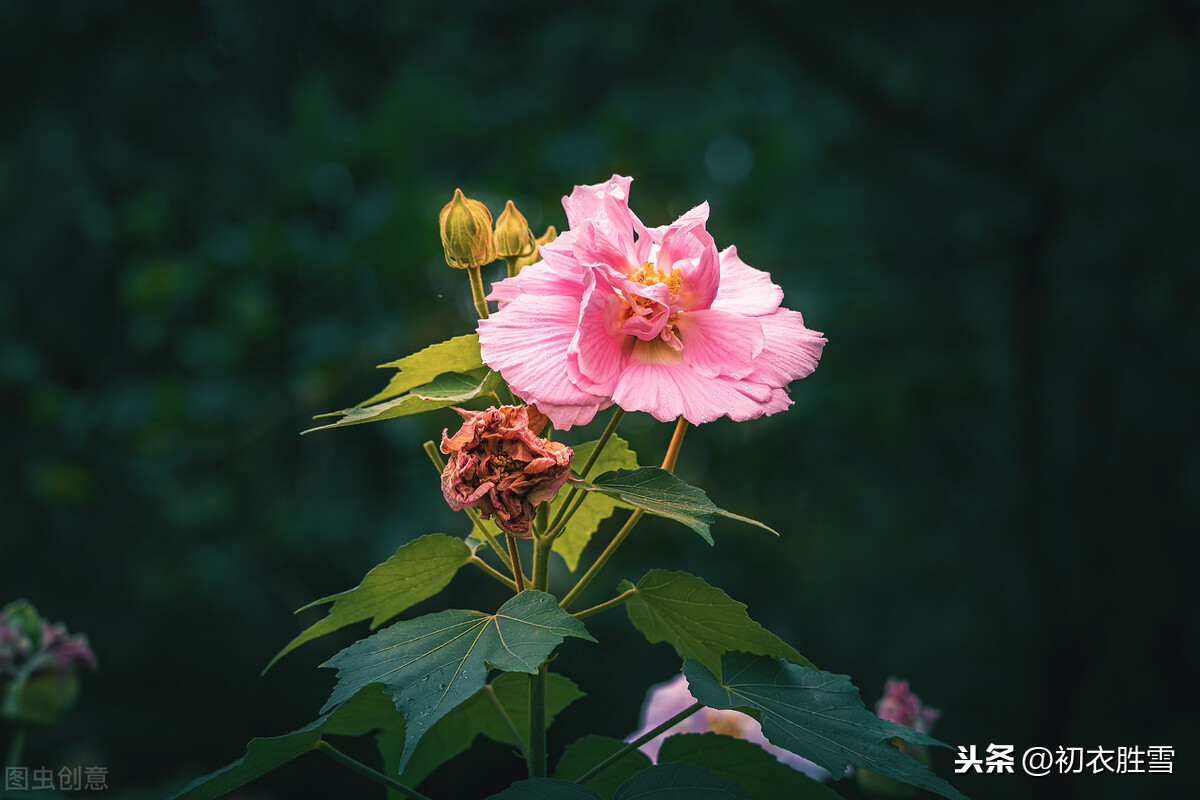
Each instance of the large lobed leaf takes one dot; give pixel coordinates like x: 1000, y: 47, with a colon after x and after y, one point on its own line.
x: 416, y: 571
x: 675, y: 781
x: 433, y: 663
x: 583, y: 754
x: 700, y: 621
x: 455, y: 732
x: 663, y: 494
x: 596, y: 506
x: 460, y: 354
x: 447, y: 389
x: 817, y: 715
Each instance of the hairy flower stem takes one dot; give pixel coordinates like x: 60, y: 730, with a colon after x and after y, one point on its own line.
x: 668, y: 464
x: 568, y: 509
x: 605, y: 606
x: 515, y: 555
x: 638, y: 742
x: 511, y: 264
x: 362, y: 769
x: 477, y: 293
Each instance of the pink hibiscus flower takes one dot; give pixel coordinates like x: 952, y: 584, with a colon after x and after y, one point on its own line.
x: 652, y: 319
x: 668, y: 699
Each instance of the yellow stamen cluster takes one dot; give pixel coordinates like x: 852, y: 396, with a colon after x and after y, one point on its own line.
x: 648, y: 275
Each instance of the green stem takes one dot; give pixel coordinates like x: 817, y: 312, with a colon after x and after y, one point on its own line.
x: 362, y: 769
x: 515, y: 556
x: 609, y: 430
x: 15, y: 748
x: 541, y: 563
x: 477, y: 293
x: 668, y: 464
x: 567, y: 510
x: 508, y: 723
x: 511, y: 265
x: 536, y: 754
x: 616, y: 601
x: 638, y: 742
x: 495, y: 573
x: 603, y: 559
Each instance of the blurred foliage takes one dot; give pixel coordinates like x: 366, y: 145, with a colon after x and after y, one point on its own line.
x: 219, y: 215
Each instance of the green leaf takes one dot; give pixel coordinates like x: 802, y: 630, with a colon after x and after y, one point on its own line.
x: 368, y: 710
x: 759, y: 772
x: 678, y: 781
x: 663, y: 494
x: 597, y: 506
x: 433, y: 663
x: 460, y: 354
x: 418, y: 570
x: 817, y: 715
x: 455, y: 732
x: 700, y: 621
x: 545, y: 789
x: 447, y: 389
x: 583, y: 754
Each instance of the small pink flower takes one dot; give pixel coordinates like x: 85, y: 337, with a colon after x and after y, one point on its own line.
x: 901, y: 706
x: 500, y: 465
x: 652, y: 319
x: 668, y: 699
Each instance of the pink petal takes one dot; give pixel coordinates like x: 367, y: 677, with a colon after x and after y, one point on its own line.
x: 719, y: 343
x: 688, y: 247
x: 744, y: 289
x: 565, y: 416
x: 791, y: 351
x: 668, y: 389
x: 598, y: 352
x: 599, y: 215
x: 530, y: 338
x: 540, y: 279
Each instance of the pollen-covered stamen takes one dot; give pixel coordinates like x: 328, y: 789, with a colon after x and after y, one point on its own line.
x: 651, y: 315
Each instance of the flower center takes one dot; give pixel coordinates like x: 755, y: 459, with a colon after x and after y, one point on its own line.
x: 728, y: 724
x: 650, y: 313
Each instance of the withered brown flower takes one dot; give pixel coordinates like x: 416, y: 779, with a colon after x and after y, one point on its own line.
x: 498, y: 464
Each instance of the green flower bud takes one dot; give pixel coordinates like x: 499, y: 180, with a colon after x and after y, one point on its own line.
x: 549, y: 236
x: 513, y: 238
x: 467, y: 232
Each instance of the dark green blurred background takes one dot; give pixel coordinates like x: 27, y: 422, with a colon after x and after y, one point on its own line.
x: 219, y: 216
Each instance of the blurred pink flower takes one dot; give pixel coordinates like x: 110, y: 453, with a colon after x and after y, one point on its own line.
x: 652, y: 319
x: 901, y: 706
x: 500, y: 465
x: 668, y: 699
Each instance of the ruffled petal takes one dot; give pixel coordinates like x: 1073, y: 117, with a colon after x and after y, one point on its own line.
x: 791, y: 351
x: 668, y: 389
x: 688, y: 247
x: 599, y: 351
x: 719, y: 343
x: 540, y: 279
x: 527, y: 341
x: 744, y: 289
x: 604, y: 226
